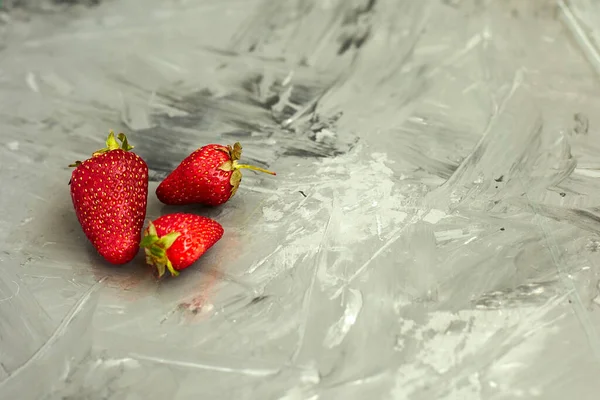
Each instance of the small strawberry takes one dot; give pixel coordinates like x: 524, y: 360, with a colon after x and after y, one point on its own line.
x: 176, y: 241
x: 109, y: 193
x: 210, y: 175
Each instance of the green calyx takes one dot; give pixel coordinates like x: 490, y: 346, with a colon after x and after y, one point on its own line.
x: 235, y: 152
x: 156, y: 250
x: 111, y: 144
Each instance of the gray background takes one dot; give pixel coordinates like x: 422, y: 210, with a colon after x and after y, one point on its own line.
x: 447, y: 246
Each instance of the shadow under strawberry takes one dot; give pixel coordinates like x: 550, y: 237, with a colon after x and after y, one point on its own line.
x: 53, y: 238
x: 58, y: 235
x: 207, y: 211
x: 125, y: 277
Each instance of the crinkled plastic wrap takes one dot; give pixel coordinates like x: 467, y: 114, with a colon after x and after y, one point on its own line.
x: 432, y: 231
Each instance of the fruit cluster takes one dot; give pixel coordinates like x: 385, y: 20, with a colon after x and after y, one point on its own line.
x: 110, y: 193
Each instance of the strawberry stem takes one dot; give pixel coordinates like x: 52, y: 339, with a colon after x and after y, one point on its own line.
x: 253, y: 168
x: 111, y: 144
x: 156, y: 248
x: 111, y: 141
x: 235, y: 152
x: 124, y: 143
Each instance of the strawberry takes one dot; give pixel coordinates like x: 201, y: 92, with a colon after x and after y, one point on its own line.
x: 109, y: 193
x: 210, y: 175
x: 176, y: 241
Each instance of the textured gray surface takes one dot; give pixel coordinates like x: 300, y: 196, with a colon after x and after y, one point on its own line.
x: 445, y: 243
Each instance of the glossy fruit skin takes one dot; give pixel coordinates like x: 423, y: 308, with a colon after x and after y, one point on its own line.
x: 193, y: 236
x: 109, y: 192
x: 198, y: 179
x: 210, y: 175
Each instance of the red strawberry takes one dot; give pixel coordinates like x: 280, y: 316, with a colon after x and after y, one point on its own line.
x: 176, y: 241
x: 109, y: 193
x: 210, y: 175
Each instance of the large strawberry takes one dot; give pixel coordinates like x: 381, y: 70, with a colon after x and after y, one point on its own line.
x: 210, y: 175
x: 109, y: 193
x: 176, y: 241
